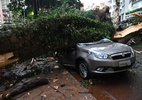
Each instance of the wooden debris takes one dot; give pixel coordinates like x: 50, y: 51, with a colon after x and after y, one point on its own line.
x: 6, y: 56
x: 139, y: 52
x: 35, y: 82
x: 128, y: 31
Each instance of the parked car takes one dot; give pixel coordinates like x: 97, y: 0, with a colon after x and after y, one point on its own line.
x: 101, y: 57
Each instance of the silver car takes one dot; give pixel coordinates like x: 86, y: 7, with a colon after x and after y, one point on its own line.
x: 103, y: 57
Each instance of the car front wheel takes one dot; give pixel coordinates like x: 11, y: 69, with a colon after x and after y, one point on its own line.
x: 83, y: 70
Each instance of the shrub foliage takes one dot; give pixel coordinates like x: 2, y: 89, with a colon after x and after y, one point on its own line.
x: 49, y: 34
x: 64, y: 31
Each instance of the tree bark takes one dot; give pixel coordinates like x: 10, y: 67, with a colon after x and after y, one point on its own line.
x: 35, y: 82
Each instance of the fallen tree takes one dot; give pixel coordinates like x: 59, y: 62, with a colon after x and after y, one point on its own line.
x: 48, y: 34
x: 128, y: 33
x: 24, y: 87
x: 125, y: 35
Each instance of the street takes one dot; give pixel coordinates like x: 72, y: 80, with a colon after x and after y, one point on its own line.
x: 120, y: 86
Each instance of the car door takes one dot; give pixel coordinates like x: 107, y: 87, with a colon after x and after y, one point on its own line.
x: 68, y: 57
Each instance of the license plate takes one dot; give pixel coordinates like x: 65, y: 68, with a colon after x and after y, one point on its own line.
x: 124, y: 63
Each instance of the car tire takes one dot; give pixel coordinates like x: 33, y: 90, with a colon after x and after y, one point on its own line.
x: 83, y: 70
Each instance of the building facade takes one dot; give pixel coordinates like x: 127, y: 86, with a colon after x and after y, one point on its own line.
x: 135, y: 6
x: 112, y: 5
x: 5, y: 14
x: 1, y: 13
x: 114, y: 11
x: 125, y: 9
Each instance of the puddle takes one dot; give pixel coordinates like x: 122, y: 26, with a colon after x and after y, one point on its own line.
x: 120, y: 86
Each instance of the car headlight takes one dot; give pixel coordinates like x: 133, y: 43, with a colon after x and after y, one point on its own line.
x: 98, y: 55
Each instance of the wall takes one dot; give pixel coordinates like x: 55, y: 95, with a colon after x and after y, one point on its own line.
x: 1, y: 14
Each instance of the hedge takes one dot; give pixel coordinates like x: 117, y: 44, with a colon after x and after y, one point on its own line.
x: 135, y: 10
x: 49, y: 34
x: 63, y: 31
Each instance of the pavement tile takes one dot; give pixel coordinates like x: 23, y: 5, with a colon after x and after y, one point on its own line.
x: 62, y: 86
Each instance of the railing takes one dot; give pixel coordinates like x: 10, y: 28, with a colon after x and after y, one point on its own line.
x: 130, y: 15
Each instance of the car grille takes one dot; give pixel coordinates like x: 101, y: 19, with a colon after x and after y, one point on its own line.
x: 121, y: 55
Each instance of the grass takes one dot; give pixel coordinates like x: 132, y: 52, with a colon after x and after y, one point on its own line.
x: 86, y: 83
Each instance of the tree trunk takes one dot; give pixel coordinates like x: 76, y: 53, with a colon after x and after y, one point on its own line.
x: 125, y: 35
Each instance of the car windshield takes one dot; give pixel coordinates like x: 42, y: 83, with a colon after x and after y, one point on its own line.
x: 105, y: 40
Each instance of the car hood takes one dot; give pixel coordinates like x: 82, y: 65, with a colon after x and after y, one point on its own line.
x: 108, y: 48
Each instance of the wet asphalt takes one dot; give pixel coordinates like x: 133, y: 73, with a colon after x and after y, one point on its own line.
x: 120, y: 86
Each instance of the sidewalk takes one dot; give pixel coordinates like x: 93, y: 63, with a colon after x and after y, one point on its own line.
x: 62, y: 86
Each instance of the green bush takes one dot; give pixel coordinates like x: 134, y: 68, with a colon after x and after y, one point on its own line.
x: 63, y: 31
x: 49, y: 34
x: 135, y: 10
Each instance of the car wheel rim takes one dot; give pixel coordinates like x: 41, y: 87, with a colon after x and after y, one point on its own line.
x: 83, y: 70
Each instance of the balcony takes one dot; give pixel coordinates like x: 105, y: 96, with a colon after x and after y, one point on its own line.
x: 130, y: 14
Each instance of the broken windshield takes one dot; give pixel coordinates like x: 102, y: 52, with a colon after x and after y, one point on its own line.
x: 105, y: 40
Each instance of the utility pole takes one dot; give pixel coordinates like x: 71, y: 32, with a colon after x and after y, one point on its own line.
x: 35, y: 8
